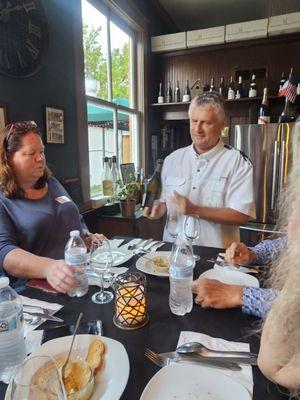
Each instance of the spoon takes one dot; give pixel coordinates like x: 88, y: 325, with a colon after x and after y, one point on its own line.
x: 74, y: 334
x: 199, y: 348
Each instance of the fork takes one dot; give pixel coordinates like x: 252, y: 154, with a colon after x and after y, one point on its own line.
x: 164, y: 359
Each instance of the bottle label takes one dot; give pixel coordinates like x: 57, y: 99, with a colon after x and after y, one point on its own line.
x: 160, y: 99
x: 230, y: 94
x: 238, y: 95
x: 186, y: 98
x: 252, y: 93
x: 108, y: 187
x: 11, y: 323
x: 263, y: 119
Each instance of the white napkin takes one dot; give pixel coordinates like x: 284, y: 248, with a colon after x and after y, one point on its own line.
x: 131, y: 243
x: 155, y: 247
x: 33, y: 340
x: 114, y: 243
x: 94, y: 280
x: 244, y: 376
x: 235, y: 268
x: 34, y: 302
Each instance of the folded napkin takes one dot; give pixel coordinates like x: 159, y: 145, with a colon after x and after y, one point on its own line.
x: 230, y: 267
x: 153, y: 247
x: 131, y: 243
x: 244, y: 376
x: 114, y: 243
x: 94, y: 280
x: 34, y: 302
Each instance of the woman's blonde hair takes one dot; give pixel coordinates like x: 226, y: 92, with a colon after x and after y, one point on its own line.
x: 11, y: 141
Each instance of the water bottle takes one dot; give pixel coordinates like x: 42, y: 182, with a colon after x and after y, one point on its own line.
x: 75, y: 257
x: 181, y: 277
x: 12, y: 342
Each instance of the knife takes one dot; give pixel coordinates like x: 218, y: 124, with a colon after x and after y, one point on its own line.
x: 43, y: 315
x: 212, y: 361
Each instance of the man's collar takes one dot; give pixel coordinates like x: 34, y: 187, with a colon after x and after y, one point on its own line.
x: 208, y: 155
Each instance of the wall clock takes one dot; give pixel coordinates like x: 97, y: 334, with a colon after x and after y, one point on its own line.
x: 22, y: 37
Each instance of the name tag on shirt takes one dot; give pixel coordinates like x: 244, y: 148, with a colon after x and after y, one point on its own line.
x: 62, y: 199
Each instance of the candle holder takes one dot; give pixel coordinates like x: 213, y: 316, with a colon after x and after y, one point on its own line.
x: 130, y: 301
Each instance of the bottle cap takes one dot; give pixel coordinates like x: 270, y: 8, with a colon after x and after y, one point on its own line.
x: 4, y: 281
x: 74, y: 233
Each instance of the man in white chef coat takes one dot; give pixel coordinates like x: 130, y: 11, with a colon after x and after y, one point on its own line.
x: 208, y: 178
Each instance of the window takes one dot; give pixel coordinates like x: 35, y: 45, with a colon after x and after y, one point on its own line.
x: 113, y: 112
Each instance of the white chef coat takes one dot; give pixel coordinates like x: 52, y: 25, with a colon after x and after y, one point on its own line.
x: 221, y: 177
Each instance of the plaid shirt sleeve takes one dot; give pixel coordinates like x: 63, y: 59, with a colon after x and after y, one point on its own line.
x: 269, y: 250
x: 258, y: 301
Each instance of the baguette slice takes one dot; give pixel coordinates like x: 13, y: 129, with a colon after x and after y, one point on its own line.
x: 95, y: 355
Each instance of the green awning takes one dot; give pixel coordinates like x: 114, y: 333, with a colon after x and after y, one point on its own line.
x: 102, y: 117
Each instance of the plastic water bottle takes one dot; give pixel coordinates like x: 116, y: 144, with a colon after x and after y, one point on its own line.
x: 181, y: 277
x: 75, y: 257
x: 12, y: 342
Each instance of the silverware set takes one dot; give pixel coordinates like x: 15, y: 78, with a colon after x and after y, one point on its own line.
x: 38, y: 311
x: 141, y: 244
x: 195, y: 352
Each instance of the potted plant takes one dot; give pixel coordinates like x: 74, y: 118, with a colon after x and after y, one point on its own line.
x: 126, y: 193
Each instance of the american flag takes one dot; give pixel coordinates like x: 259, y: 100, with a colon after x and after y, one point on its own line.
x: 289, y: 89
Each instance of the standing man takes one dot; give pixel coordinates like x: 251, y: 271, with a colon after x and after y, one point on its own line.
x: 208, y: 178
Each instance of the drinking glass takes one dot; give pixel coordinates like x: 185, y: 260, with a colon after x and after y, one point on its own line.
x: 37, y: 378
x: 192, y: 230
x: 173, y: 225
x: 101, y: 261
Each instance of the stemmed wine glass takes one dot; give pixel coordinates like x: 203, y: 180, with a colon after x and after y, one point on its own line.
x: 173, y: 225
x: 192, y: 230
x: 37, y: 378
x: 101, y: 261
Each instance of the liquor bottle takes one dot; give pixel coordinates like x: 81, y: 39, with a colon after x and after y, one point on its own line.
x: 231, y: 89
x: 169, y: 94
x: 115, y: 174
x: 212, y: 87
x: 177, y: 93
x: 222, y: 88
x: 107, y: 182
x: 187, y: 93
x: 160, y: 98
x: 253, y: 87
x: 282, y: 81
x: 264, y: 111
x: 153, y: 190
x: 240, y: 90
x: 286, y: 115
x: 138, y: 189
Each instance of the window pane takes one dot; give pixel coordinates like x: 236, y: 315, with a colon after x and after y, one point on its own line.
x: 101, y: 143
x: 127, y: 138
x: 95, y: 50
x: 120, y: 63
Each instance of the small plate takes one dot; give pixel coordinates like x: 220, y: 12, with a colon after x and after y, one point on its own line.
x: 146, y: 263
x: 230, y: 277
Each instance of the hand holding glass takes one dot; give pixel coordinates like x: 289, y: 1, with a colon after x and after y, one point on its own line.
x: 192, y: 229
x: 101, y: 261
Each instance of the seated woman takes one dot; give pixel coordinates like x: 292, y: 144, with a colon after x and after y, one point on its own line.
x: 36, y: 213
x: 279, y: 355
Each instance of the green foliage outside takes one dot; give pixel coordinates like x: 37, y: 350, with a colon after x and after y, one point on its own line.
x: 96, y: 64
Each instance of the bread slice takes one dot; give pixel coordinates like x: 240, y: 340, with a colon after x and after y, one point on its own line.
x: 95, y: 355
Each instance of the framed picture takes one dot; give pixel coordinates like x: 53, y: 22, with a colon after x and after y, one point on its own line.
x: 3, y: 116
x: 55, y: 127
x: 127, y: 172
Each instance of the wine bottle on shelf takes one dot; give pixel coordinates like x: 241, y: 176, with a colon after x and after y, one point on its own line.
x: 282, y: 81
x: 212, y: 87
x: 222, y: 88
x: 264, y: 111
x: 231, y: 90
x: 286, y: 115
x: 253, y: 87
x: 187, y: 93
x: 153, y: 189
x: 240, y: 89
x: 169, y: 94
x: 160, y: 98
x: 177, y: 93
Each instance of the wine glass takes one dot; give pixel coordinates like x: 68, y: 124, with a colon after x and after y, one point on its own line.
x: 173, y: 225
x: 37, y: 378
x: 101, y: 261
x: 192, y: 230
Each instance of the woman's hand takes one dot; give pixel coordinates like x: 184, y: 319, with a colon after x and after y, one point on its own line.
x: 239, y: 254
x: 94, y: 238
x: 60, y: 276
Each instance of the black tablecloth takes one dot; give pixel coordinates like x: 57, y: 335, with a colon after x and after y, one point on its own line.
x: 162, y: 332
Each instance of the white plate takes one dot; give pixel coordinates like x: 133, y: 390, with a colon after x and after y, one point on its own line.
x: 145, y: 264
x: 120, y: 256
x: 111, y: 380
x: 230, y: 277
x: 191, y: 382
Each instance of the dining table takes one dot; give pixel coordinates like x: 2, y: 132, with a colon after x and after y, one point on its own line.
x: 162, y: 331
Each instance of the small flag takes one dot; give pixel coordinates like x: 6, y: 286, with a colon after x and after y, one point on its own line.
x: 289, y: 89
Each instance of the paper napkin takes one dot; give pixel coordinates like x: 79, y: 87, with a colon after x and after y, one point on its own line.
x: 114, y: 243
x: 34, y: 302
x: 153, y: 247
x: 244, y: 376
x: 132, y: 242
